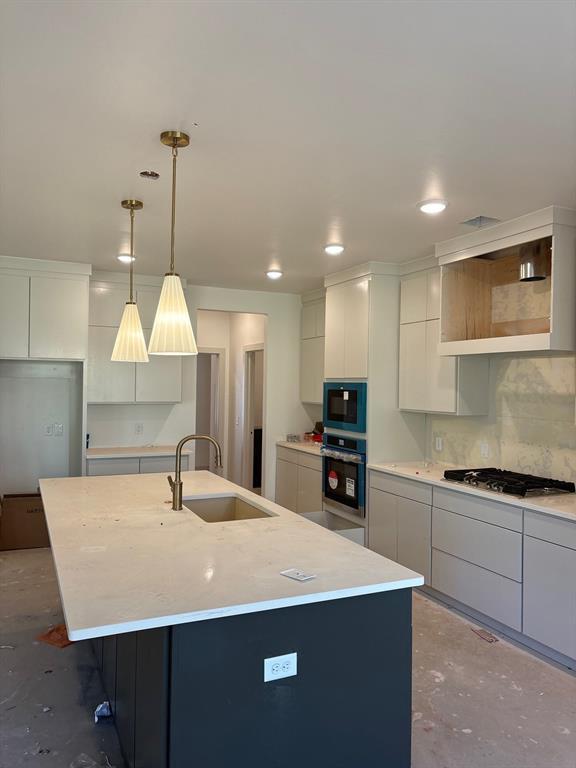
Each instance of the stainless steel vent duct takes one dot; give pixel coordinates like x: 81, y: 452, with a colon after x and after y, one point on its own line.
x: 532, y: 262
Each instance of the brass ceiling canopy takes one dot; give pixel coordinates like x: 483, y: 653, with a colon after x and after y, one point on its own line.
x: 132, y: 205
x: 177, y: 139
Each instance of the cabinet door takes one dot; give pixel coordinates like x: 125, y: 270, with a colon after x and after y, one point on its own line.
x: 147, y: 299
x: 308, y: 321
x: 550, y: 595
x: 96, y: 467
x: 433, y: 295
x: 14, y: 315
x: 414, y: 298
x: 309, y: 490
x: 124, y: 717
x: 287, y: 484
x: 320, y: 313
x: 335, y: 332
x: 160, y: 379
x: 412, y: 384
x: 108, y: 382
x: 311, y: 369
x: 441, y: 373
x: 58, y: 318
x: 383, y: 523
x: 414, y: 536
x: 357, y: 300
x: 107, y: 304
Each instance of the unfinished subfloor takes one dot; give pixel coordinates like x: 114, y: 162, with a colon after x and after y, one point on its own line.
x: 476, y: 704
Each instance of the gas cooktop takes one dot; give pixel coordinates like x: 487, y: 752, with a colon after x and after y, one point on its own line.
x: 504, y: 481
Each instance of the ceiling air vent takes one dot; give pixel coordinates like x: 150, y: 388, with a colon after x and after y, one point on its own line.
x: 479, y: 222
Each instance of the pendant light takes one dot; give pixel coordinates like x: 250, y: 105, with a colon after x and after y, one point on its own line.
x: 172, y: 330
x: 130, y: 346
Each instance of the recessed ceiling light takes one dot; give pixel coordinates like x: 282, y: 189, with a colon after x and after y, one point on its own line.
x: 274, y: 274
x: 334, y: 249
x: 150, y: 175
x: 125, y: 258
x: 432, y: 207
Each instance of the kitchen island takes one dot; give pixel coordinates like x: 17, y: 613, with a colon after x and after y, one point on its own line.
x: 184, y: 607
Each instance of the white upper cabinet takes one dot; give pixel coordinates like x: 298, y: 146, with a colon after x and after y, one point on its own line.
x: 147, y: 305
x: 14, y: 315
x: 487, y: 308
x: 107, y: 303
x: 58, y: 317
x: 420, y: 297
x: 312, y: 350
x: 159, y: 380
x: 347, y: 325
x: 427, y: 381
x: 108, y: 382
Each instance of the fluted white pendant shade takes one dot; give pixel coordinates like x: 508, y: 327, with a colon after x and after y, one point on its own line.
x: 172, y: 332
x: 130, y: 346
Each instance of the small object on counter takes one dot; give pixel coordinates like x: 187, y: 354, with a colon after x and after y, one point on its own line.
x: 102, y: 710
x: 292, y: 438
x: 298, y: 575
x: 318, y: 428
x: 308, y: 437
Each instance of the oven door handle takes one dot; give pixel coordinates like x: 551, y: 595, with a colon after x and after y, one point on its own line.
x: 349, y: 458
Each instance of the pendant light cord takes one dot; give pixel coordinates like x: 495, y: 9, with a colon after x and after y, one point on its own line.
x: 131, y: 255
x: 174, y: 156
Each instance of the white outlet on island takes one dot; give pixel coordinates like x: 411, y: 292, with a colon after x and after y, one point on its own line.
x: 277, y: 667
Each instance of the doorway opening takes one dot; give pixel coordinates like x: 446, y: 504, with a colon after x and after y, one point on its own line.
x: 209, y: 405
x: 252, y: 455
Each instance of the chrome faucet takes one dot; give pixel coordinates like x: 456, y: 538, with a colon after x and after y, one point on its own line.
x: 176, y: 484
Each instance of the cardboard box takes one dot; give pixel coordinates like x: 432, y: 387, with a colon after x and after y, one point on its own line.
x: 22, y: 522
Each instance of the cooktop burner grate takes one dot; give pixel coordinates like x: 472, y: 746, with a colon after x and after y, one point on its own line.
x: 504, y: 481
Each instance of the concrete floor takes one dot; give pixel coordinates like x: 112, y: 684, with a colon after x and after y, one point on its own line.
x: 476, y: 704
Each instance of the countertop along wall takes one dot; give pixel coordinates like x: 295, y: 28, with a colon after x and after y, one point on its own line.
x: 531, y: 425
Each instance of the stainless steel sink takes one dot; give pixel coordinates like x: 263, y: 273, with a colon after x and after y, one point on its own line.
x: 225, y: 509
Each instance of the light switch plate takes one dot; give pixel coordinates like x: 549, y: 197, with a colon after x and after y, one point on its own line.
x: 278, y: 667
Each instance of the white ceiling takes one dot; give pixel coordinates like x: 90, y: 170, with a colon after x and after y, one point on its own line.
x: 316, y: 120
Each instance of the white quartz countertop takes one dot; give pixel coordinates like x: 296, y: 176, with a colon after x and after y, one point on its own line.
x: 304, y: 446
x: 132, y: 451
x: 126, y: 561
x: 561, y: 505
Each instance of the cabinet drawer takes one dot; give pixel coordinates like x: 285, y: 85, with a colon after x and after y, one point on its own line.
x: 113, y: 466
x: 554, y: 529
x: 488, y: 546
x: 310, y: 461
x: 494, y: 512
x: 550, y: 595
x: 409, y: 489
x: 161, y: 464
x: 487, y: 592
x: 287, y: 454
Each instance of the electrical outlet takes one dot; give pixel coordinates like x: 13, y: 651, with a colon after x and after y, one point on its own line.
x: 58, y: 430
x: 277, y: 667
x: 48, y: 430
x: 139, y: 428
x: 484, y: 450
x: 438, y: 444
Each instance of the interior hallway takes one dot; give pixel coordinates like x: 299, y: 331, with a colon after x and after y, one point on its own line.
x: 476, y: 704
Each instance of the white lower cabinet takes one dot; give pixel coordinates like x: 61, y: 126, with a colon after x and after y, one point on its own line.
x: 399, y: 528
x: 287, y: 484
x: 134, y: 465
x: 550, y: 594
x: 298, y: 480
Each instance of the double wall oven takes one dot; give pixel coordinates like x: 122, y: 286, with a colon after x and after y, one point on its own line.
x: 344, y: 474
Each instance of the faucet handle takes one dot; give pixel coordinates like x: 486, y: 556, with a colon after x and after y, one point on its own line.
x: 170, y: 482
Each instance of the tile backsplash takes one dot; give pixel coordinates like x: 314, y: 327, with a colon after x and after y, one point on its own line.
x: 531, y: 425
